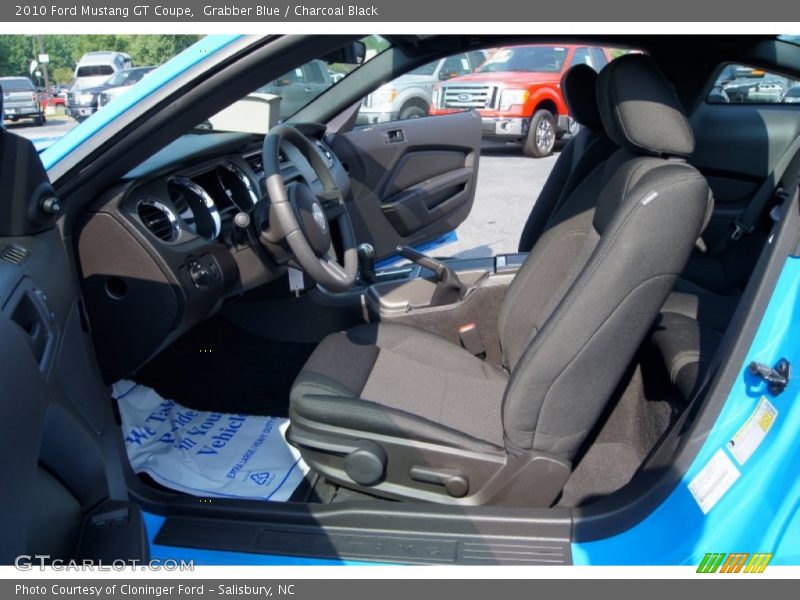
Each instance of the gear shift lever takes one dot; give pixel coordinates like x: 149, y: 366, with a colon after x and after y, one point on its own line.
x: 366, y: 262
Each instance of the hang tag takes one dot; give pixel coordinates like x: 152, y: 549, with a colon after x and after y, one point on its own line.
x: 296, y: 282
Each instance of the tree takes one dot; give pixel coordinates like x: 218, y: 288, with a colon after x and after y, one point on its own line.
x: 17, y: 51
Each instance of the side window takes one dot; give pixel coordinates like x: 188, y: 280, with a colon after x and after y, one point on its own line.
x: 742, y: 84
x: 411, y: 95
x: 598, y: 58
x: 454, y: 66
x: 582, y: 57
x: 476, y: 58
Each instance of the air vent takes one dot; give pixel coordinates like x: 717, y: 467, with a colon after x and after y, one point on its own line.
x: 159, y: 219
x: 256, y: 163
x: 14, y: 254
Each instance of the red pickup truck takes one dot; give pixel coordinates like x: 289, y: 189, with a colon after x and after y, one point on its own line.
x: 517, y: 91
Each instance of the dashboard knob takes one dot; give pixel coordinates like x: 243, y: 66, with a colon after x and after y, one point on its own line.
x: 200, y: 274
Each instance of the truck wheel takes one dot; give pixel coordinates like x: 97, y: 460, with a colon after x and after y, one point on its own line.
x: 413, y: 111
x: 541, y: 135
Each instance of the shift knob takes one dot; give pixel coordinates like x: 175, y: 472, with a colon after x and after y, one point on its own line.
x: 366, y: 262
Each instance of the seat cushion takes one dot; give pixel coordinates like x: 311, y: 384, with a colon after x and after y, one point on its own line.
x: 688, y: 332
x: 402, y: 381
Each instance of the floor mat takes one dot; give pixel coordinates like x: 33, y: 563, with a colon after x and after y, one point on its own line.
x: 207, y: 454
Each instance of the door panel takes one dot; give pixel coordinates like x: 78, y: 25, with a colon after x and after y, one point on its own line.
x: 411, y: 181
x: 63, y: 491
x: 737, y: 147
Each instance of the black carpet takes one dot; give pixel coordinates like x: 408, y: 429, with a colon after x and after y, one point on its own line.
x: 218, y: 366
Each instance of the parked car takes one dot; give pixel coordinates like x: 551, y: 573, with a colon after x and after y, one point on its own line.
x: 792, y: 95
x: 409, y: 96
x: 517, y: 92
x: 118, y: 84
x: 747, y: 84
x: 21, y: 100
x: 88, y: 101
x: 298, y: 87
x: 50, y: 98
x: 92, y: 70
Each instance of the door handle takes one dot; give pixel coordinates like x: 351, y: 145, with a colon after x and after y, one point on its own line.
x: 395, y: 136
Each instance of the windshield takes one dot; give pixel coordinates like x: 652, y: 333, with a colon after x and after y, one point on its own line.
x: 95, y: 71
x: 16, y: 85
x: 127, y: 77
x: 534, y: 59
x: 286, y: 95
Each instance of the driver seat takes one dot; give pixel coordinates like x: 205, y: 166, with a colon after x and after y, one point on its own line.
x: 399, y: 412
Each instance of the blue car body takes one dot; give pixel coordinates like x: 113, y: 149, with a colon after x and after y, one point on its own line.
x: 759, y: 513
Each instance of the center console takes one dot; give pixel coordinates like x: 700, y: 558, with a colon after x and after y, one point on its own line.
x: 458, y: 299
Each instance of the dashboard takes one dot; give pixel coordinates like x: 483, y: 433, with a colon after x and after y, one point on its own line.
x: 178, y: 237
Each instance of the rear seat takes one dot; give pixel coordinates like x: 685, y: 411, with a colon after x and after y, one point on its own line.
x: 695, y: 316
x: 688, y: 331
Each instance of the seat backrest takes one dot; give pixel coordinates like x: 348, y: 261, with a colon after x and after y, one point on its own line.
x: 592, y: 285
x: 581, y: 154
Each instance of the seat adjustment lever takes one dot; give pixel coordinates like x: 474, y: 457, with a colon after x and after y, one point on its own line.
x: 455, y: 483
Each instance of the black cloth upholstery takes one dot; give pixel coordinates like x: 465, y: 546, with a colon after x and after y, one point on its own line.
x: 570, y: 323
x: 581, y: 154
x: 589, y: 292
x: 402, y: 381
x: 640, y: 109
x: 579, y: 85
x: 688, y: 332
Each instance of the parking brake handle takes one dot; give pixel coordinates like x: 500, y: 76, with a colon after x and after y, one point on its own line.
x: 449, y: 288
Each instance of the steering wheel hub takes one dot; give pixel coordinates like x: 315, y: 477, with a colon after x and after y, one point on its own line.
x: 297, y: 216
x: 311, y: 218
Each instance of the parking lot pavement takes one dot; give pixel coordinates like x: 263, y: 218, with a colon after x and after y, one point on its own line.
x: 55, y: 127
x: 508, y: 185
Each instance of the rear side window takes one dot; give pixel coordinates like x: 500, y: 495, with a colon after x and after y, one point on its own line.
x: 95, y: 71
x: 581, y: 57
x: 742, y: 84
x: 598, y: 57
x: 16, y: 85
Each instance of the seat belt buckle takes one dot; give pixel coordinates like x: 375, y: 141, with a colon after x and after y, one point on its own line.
x: 471, y: 340
x: 739, y: 229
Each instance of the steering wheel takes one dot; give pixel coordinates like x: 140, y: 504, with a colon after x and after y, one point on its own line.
x: 304, y: 218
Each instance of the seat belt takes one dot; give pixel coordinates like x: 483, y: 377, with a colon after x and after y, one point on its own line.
x: 785, y: 169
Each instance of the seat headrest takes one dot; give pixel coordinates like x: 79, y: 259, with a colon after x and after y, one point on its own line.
x: 640, y: 109
x: 579, y: 85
